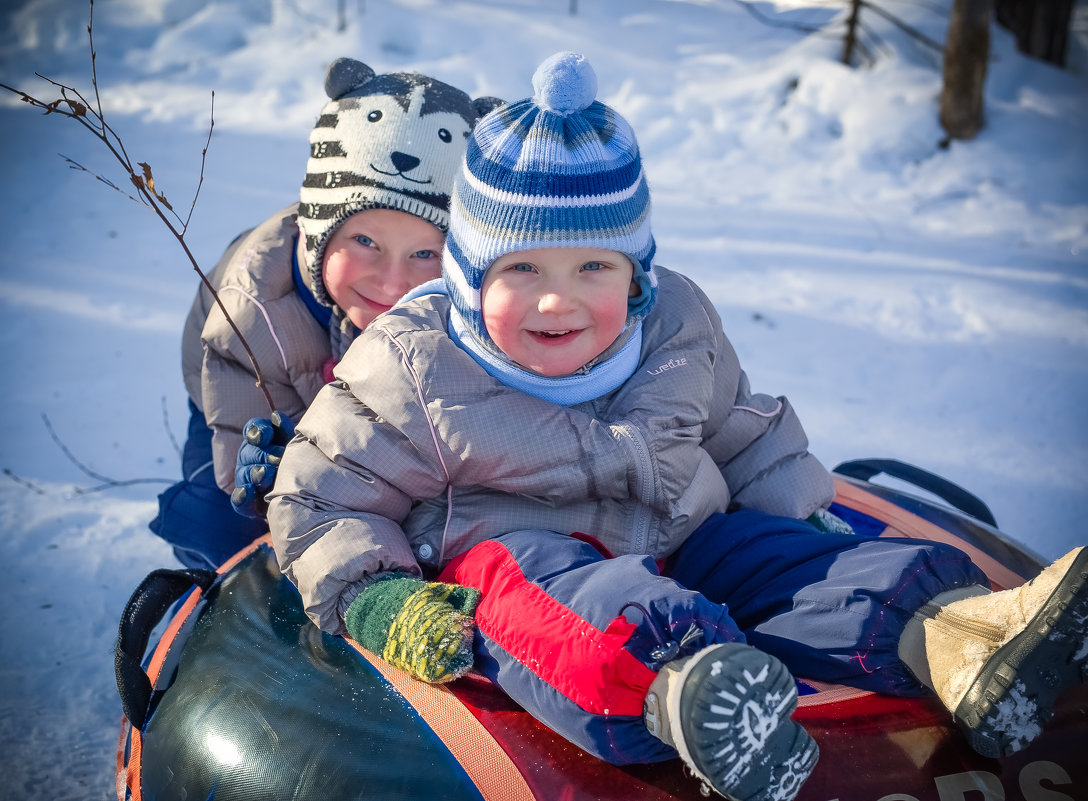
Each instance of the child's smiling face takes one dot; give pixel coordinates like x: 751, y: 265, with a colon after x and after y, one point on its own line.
x: 377, y: 256
x: 553, y: 310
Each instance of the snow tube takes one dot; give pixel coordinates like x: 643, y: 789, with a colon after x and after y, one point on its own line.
x: 242, y: 698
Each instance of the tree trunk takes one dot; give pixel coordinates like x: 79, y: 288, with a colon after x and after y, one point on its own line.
x: 851, y: 37
x: 1041, y: 27
x: 966, y: 52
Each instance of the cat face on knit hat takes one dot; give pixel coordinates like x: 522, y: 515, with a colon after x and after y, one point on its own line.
x: 558, y: 169
x: 383, y: 141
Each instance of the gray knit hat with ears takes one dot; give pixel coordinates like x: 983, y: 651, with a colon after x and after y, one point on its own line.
x: 382, y: 142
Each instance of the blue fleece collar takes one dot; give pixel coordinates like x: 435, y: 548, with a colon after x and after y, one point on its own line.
x: 323, y: 314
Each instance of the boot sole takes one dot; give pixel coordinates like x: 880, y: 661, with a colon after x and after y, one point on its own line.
x: 1014, y: 694
x: 736, y: 725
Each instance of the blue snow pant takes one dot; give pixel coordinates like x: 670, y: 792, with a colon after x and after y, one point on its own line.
x: 195, y: 515
x: 576, y: 637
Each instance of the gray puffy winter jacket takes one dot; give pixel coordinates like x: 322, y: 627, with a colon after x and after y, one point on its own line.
x: 255, y: 282
x: 415, y: 454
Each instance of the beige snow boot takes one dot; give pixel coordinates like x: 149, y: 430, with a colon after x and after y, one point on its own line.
x: 999, y: 660
x: 727, y: 709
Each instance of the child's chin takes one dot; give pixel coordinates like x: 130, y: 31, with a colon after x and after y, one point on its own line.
x: 362, y: 317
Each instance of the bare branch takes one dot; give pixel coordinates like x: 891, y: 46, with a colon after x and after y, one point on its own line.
x: 114, y: 484
x: 73, y: 105
x: 166, y: 425
x: 105, y: 482
x: 850, y: 39
x: 71, y: 458
x: 203, y: 160
x: 917, y: 34
x: 64, y: 89
x: 75, y: 165
x: 773, y: 23
x: 871, y: 33
x: 863, y: 49
x: 23, y: 482
x: 94, y: 67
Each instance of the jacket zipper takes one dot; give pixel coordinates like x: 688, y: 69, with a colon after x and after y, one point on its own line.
x: 644, y: 479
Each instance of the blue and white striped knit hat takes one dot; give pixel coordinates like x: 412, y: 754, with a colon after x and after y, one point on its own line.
x: 559, y: 169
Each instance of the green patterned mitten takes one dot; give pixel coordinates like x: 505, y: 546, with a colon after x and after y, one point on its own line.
x: 423, y: 627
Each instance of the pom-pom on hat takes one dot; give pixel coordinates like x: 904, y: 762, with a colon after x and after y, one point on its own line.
x: 559, y: 169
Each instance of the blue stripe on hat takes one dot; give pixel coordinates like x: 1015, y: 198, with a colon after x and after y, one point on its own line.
x: 581, y: 175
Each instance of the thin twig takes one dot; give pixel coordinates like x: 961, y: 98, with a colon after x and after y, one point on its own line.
x: 863, y: 49
x: 203, y: 160
x: 75, y: 165
x: 866, y: 52
x: 23, y: 482
x: 73, y: 105
x: 166, y: 425
x: 71, y: 457
x: 878, y: 41
x: 94, y: 67
x: 894, y: 20
x: 773, y: 23
x: 114, y: 484
x: 105, y: 482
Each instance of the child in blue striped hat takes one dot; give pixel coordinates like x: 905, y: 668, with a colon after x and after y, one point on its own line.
x: 555, y: 381
x: 549, y: 269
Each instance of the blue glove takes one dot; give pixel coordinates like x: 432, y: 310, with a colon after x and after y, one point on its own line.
x: 263, y: 441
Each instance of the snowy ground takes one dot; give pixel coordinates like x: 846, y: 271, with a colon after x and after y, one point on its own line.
x: 914, y: 302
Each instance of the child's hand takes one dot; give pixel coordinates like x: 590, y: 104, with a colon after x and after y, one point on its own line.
x: 425, y: 628
x: 263, y: 441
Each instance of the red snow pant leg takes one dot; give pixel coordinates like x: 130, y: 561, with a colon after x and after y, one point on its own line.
x: 554, y: 634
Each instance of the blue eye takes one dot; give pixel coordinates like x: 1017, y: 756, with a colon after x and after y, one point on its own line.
x: 592, y: 266
x: 364, y: 240
x: 522, y: 267
x: 425, y: 254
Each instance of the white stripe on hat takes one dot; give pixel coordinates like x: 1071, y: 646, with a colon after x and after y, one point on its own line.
x: 539, y: 201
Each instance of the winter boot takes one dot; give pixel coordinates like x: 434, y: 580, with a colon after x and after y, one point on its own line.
x: 999, y: 660
x: 727, y: 709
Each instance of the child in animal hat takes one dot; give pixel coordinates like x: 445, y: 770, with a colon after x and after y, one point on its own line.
x: 550, y: 466
x: 369, y: 226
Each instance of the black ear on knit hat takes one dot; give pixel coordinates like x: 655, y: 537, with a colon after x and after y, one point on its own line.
x: 344, y: 75
x: 485, y: 105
